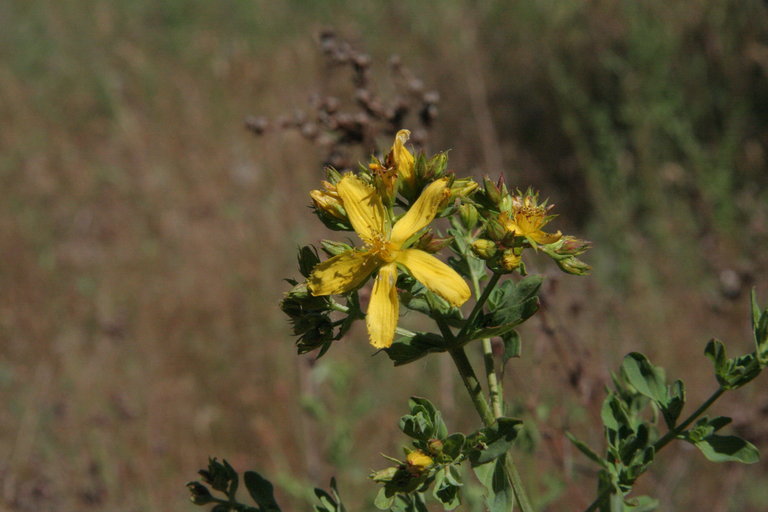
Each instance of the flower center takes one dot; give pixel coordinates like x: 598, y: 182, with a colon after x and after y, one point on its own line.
x: 382, y: 248
x: 529, y: 219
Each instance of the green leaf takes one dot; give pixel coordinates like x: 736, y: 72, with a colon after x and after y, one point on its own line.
x: 498, y: 438
x: 445, y: 490
x: 760, y: 329
x: 586, y: 450
x: 329, y: 502
x: 613, y: 412
x: 409, y: 349
x: 510, y: 305
x: 425, y: 421
x: 728, y: 449
x: 261, y: 491
x: 715, y: 351
x: 675, y: 403
x: 647, y: 379
x: 512, y: 347
x: 732, y: 373
x: 453, y: 444
x: 499, y: 496
x: 384, y: 499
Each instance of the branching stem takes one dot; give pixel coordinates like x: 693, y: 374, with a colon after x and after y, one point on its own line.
x: 664, y: 440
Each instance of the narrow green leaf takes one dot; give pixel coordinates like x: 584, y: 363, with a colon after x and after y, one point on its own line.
x: 755, y: 309
x: 586, y: 450
x: 675, y: 403
x: 261, y: 491
x: 728, y: 449
x: 715, y: 351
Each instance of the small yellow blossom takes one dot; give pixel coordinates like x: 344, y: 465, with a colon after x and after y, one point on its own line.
x: 527, y: 217
x: 509, y: 260
x: 386, y: 248
x: 417, y: 462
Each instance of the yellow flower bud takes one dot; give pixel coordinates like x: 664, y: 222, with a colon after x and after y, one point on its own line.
x: 509, y: 260
x: 484, y: 249
x: 402, y: 158
x: 417, y: 462
x: 328, y: 203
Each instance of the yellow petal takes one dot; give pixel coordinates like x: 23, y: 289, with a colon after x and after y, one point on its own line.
x: 403, y: 158
x: 421, y: 213
x: 435, y: 275
x: 381, y: 318
x: 545, y: 238
x: 363, y: 206
x: 342, y: 273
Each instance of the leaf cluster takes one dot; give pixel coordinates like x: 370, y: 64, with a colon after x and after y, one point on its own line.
x: 222, y: 478
x: 484, y: 449
x: 641, y: 394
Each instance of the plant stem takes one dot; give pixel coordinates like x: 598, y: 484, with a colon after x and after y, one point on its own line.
x: 671, y: 434
x: 494, y: 383
x: 664, y: 440
x: 472, y: 384
x: 481, y: 405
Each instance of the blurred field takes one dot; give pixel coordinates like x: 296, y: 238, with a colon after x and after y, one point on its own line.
x: 144, y: 234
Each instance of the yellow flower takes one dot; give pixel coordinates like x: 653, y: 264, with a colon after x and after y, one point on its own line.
x: 386, y: 248
x: 527, y: 218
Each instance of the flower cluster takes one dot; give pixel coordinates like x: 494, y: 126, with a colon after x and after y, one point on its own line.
x: 390, y: 205
x: 513, y: 223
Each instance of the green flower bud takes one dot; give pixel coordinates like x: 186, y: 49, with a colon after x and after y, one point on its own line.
x: 492, y: 191
x: 334, y: 248
x: 429, y: 243
x: 495, y: 230
x: 573, y: 265
x: 384, y: 475
x: 571, y: 246
x: 469, y: 216
x: 308, y: 259
x: 435, y: 166
x: 463, y: 187
x: 199, y: 494
x: 435, y: 446
x: 484, y: 249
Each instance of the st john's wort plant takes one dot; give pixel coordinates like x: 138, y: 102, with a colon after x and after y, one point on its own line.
x: 429, y: 241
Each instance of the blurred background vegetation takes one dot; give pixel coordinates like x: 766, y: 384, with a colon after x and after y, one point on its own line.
x: 144, y: 233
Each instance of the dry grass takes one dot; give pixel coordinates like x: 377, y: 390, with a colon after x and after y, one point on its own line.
x: 144, y: 234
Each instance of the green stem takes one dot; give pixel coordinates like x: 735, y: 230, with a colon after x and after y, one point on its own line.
x: 664, y: 441
x: 494, y: 383
x: 481, y: 405
x: 472, y: 384
x: 671, y: 434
